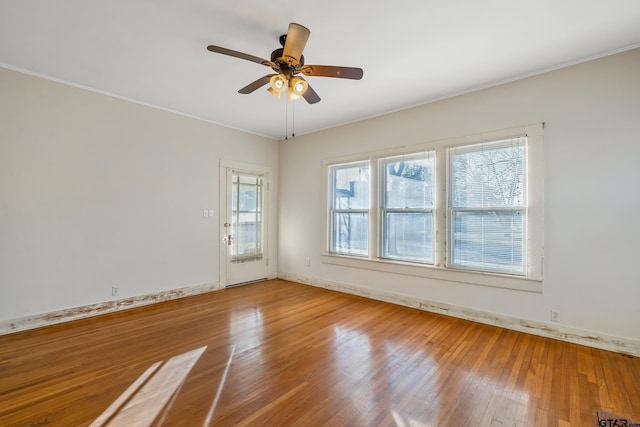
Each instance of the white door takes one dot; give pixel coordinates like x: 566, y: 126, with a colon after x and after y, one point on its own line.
x: 245, y: 226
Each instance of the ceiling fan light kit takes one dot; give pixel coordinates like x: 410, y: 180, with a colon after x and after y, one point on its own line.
x: 288, y: 62
x: 277, y: 85
x: 297, y: 88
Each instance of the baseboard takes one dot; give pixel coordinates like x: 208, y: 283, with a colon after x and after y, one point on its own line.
x: 572, y: 335
x: 60, y: 316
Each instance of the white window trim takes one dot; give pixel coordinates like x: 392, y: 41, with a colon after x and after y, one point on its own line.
x: 532, y: 282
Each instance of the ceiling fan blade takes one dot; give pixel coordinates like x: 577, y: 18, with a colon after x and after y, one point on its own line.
x: 310, y: 95
x: 297, y: 37
x: 332, y: 71
x: 236, y: 54
x: 256, y: 85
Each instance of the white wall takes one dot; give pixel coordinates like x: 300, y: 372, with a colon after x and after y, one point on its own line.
x: 592, y: 194
x: 98, y: 192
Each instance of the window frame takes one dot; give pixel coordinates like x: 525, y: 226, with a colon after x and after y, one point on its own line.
x: 384, y: 210
x: 452, y: 209
x: 531, y: 281
x: 333, y: 210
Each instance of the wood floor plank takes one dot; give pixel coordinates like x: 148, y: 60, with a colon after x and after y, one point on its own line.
x: 306, y: 356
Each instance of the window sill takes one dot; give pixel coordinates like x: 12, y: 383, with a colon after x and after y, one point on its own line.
x: 431, y: 272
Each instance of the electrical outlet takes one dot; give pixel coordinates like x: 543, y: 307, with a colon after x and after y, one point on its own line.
x: 115, y: 291
x: 307, y: 262
x: 555, y: 316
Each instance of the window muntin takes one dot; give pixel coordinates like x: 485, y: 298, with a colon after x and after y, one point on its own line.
x: 349, y: 208
x: 487, y: 206
x: 407, y: 207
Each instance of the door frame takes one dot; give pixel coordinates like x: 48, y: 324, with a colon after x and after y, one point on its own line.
x: 269, y: 213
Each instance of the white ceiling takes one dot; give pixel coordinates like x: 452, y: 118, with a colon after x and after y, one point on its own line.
x: 412, y: 52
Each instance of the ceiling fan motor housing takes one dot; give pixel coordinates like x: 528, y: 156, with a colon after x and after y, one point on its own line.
x: 277, y: 57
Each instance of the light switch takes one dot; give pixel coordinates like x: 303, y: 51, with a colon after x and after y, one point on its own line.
x: 205, y: 213
x: 210, y: 212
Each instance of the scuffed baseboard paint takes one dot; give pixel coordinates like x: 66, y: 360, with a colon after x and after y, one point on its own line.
x: 66, y: 315
x: 572, y: 335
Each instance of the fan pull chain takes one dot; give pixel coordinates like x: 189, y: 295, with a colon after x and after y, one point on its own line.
x: 293, y: 120
x: 286, y: 118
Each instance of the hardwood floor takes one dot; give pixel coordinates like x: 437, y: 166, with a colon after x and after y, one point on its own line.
x: 280, y: 353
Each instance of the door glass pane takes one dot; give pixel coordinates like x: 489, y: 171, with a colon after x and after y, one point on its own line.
x: 489, y: 240
x: 246, y: 214
x: 409, y: 236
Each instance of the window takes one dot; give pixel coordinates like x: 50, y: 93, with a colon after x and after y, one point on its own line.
x: 467, y: 210
x: 487, y: 206
x: 407, y: 207
x: 350, y: 209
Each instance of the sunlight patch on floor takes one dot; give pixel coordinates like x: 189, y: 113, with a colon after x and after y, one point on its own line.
x: 401, y: 422
x: 150, y: 397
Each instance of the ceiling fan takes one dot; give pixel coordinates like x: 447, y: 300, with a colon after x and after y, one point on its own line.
x: 288, y: 63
